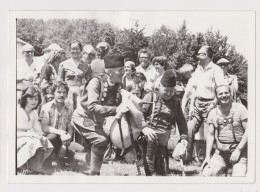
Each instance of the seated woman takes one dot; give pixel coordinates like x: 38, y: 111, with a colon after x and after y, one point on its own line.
x: 32, y: 147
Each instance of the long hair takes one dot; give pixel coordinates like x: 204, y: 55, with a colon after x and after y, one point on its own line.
x: 31, y: 91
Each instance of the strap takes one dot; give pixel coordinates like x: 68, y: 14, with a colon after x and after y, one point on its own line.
x: 133, y: 142
x: 99, y: 77
x: 174, y: 115
x: 233, y: 131
x: 121, y: 134
x: 153, y: 107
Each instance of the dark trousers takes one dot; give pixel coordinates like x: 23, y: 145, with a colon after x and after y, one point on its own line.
x: 98, y: 141
x: 57, y: 143
x: 155, y: 158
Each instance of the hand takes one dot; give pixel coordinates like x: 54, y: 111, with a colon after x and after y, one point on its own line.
x: 211, y: 106
x: 149, y: 134
x: 120, y: 110
x: 180, y: 150
x: 235, y: 156
x: 185, y: 144
x: 33, y: 135
x: 65, y: 137
x: 61, y: 132
x: 29, y: 78
x: 62, y: 152
x: 206, y: 162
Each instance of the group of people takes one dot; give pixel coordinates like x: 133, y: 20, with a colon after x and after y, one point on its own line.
x: 64, y: 104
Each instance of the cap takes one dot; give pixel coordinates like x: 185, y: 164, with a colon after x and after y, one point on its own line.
x: 114, y: 60
x: 27, y: 47
x: 168, y: 79
x: 223, y: 61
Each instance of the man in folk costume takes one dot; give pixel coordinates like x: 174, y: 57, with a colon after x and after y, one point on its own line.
x: 100, y: 99
x: 228, y: 127
x: 157, y: 124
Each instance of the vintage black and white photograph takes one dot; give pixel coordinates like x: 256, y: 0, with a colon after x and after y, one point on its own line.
x: 133, y: 93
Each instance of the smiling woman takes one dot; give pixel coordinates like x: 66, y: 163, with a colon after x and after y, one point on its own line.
x: 32, y: 147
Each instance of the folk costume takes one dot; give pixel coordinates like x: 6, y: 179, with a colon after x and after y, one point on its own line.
x: 161, y: 116
x: 99, y: 100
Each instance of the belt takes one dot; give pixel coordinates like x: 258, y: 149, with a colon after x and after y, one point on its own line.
x: 204, y: 99
x: 164, y: 124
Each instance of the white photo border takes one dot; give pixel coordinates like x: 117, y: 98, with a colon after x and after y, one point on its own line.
x: 13, y: 178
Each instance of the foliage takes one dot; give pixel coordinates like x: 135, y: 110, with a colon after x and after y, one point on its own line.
x: 129, y: 41
x: 180, y: 46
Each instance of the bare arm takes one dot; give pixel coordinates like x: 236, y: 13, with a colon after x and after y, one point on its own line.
x: 209, y: 145
x: 48, y: 129
x: 243, y: 141
x: 210, y: 140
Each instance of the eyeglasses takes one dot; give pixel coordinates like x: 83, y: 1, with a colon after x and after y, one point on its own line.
x: 28, y: 52
x: 89, y: 54
x: 201, y: 54
x: 222, y: 65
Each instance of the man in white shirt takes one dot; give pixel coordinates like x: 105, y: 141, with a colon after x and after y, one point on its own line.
x: 25, y: 66
x: 205, y: 79
x: 146, y: 68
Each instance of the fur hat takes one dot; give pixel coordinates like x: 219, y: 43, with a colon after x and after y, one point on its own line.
x: 168, y: 79
x: 113, y: 61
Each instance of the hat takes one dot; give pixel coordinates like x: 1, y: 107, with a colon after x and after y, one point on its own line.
x: 27, y: 47
x: 54, y: 47
x: 168, y: 79
x: 114, y: 60
x: 89, y: 49
x: 223, y: 61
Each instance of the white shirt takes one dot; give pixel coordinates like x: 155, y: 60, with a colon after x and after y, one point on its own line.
x: 150, y: 74
x: 26, y: 71
x: 206, y: 80
x: 28, y: 124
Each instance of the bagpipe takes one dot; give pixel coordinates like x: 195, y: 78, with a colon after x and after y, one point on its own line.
x: 126, y: 126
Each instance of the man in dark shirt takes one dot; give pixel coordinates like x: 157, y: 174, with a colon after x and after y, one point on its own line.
x: 100, y: 99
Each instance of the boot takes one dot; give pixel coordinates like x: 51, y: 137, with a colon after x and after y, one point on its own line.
x: 96, y: 160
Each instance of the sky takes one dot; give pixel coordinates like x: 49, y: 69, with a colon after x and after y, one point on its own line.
x: 238, y: 26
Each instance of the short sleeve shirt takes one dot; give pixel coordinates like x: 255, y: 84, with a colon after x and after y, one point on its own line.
x: 206, y: 80
x: 238, y: 113
x: 57, y: 120
x: 150, y: 74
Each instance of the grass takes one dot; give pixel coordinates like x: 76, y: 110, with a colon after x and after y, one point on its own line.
x: 112, y: 168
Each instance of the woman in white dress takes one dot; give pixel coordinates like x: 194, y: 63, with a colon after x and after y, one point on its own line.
x: 32, y: 147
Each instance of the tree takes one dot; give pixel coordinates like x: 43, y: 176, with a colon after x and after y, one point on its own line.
x: 129, y: 41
